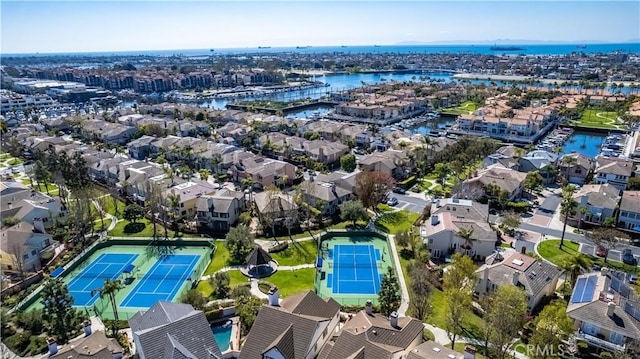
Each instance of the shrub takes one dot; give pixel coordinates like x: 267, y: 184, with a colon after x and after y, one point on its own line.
x: 428, y: 335
x: 408, y: 183
x: 279, y: 247
x: 19, y: 342
x: 213, y: 314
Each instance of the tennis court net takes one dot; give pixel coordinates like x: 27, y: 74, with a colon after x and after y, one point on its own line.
x: 354, y: 265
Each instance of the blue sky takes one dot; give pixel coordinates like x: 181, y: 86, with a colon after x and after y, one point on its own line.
x: 83, y: 26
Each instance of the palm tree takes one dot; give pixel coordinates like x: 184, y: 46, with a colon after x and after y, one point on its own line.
x: 568, y: 206
x: 583, y: 211
x: 466, y: 233
x: 574, y: 265
x: 110, y: 289
x: 174, y: 204
x: 569, y: 162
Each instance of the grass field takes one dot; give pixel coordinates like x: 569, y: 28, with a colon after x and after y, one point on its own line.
x: 143, y: 228
x: 110, y: 207
x: 394, y: 222
x: 291, y: 282
x: 236, y: 279
x: 464, y: 108
x: 220, y: 259
x: 304, y: 252
x: 549, y: 250
x: 599, y: 119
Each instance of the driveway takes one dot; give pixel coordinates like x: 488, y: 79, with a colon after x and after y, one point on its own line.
x: 410, y: 203
x: 549, y: 206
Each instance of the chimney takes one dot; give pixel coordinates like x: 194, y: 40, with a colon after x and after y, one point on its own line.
x: 469, y: 352
x: 611, y: 307
x: 87, y: 327
x: 274, y: 297
x: 485, y: 280
x: 438, y: 203
x: 38, y: 225
x: 52, y: 345
x: 393, y: 319
x: 368, y: 308
x: 516, y: 277
x: 434, y: 220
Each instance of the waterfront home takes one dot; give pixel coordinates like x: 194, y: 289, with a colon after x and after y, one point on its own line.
x: 392, y: 162
x: 20, y: 247
x: 187, y: 194
x: 220, y: 210
x: 539, y: 160
x: 172, y: 330
x: 451, y: 216
x: 506, y: 179
x: 613, y: 171
x: 370, y: 335
x: 600, y: 202
x: 329, y: 194
x: 297, y: 327
x: 327, y: 129
x: 537, y: 278
x: 629, y: 217
x: 506, y: 156
x: 575, y: 167
x: 604, y: 315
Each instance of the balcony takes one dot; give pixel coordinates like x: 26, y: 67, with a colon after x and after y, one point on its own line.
x: 600, y: 343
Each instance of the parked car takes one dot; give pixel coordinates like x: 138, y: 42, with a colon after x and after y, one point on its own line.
x: 399, y: 190
x: 392, y: 201
x: 633, y: 278
x: 628, y: 258
x: 600, y: 251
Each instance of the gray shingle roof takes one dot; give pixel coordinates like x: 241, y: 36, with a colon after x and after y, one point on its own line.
x: 596, y: 313
x: 95, y: 346
x: 308, y: 303
x: 184, y: 324
x: 433, y: 350
x: 284, y: 344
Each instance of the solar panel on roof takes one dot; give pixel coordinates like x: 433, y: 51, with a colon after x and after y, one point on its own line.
x: 589, y: 289
x: 578, y: 290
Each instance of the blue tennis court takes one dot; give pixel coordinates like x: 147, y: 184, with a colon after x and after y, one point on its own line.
x: 106, y: 266
x: 163, y: 281
x: 355, y: 270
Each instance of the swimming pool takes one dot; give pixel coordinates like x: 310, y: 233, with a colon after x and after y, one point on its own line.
x: 222, y: 334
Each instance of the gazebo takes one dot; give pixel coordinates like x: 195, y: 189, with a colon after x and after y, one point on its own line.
x: 259, y: 264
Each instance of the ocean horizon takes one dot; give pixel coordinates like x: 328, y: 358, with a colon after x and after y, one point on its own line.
x: 526, y: 49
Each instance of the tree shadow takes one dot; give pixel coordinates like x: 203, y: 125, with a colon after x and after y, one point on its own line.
x: 136, y: 227
x: 406, y: 254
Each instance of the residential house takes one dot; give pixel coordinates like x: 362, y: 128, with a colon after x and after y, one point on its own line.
x: 266, y: 172
x: 369, y: 335
x: 575, y: 167
x: 537, y: 278
x: 297, y: 327
x: 506, y: 179
x: 234, y: 130
x: 39, y: 211
x: 509, y: 152
x: 346, y: 181
x: 12, y: 193
x: 107, y: 132
x: 173, y: 330
x: 605, y: 311
x: 329, y: 194
x: 541, y: 161
x: 629, y: 217
x: 451, y: 216
x: 600, y: 201
x: 613, y: 171
x: 392, y: 162
x: 96, y: 345
x: 219, y: 211
x: 21, y: 245
x: 140, y: 148
x: 188, y: 195
x: 276, y: 209
x: 323, y: 151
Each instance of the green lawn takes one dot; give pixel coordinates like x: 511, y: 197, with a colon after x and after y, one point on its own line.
x: 549, y: 250
x: 14, y: 161
x: 236, y: 279
x: 438, y: 316
x: 110, y: 207
x: 299, y: 253
x: 599, y: 119
x: 291, y: 282
x: 97, y: 225
x: 464, y: 108
x: 383, y: 207
x: 4, y: 156
x: 459, y: 347
x: 394, y: 222
x: 220, y: 259
x: 121, y: 229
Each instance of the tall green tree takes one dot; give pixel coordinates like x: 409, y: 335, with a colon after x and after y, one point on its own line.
x: 371, y: 187
x: 458, y: 290
x: 247, y: 309
x: 574, y: 265
x: 133, y: 213
x: 348, y: 162
x: 110, y: 289
x: 389, y: 296
x: 505, y: 316
x: 239, y: 241
x: 567, y: 206
x: 57, y: 309
x: 353, y: 211
x: 552, y: 326
x: 195, y: 298
x: 420, y: 291
x: 220, y: 282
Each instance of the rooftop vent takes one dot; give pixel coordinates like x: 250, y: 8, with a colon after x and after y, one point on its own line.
x: 437, y: 350
x: 517, y: 262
